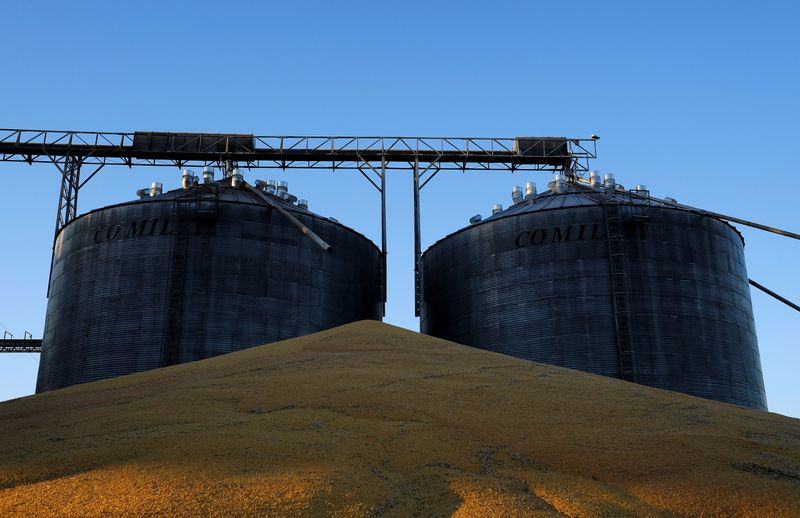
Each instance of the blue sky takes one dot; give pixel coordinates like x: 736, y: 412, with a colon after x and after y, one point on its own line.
x: 697, y: 100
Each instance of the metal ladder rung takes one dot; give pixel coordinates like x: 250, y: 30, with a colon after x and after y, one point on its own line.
x: 619, y: 292
x: 180, y: 241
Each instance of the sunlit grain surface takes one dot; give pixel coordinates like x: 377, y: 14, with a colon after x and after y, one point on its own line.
x: 371, y: 420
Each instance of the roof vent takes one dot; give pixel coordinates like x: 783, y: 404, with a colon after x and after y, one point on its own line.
x: 156, y: 188
x: 516, y: 194
x: 283, y: 190
x: 143, y: 193
x: 608, y: 182
x: 302, y: 203
x: 530, y: 190
x: 560, y: 183
x: 475, y: 219
x: 186, y: 178
x: 236, y: 178
x: 595, y: 181
x: 497, y: 207
x: 271, y: 187
x: 208, y: 174
x: 261, y: 185
x: 673, y: 201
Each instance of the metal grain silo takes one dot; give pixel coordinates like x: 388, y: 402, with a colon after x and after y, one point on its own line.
x: 197, y: 272
x: 602, y: 280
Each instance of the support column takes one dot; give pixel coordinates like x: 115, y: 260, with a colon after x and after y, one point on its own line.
x: 383, y: 232
x: 67, y: 200
x: 417, y: 244
x: 68, y: 197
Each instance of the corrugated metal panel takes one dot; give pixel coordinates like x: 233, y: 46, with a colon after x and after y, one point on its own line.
x: 533, y: 282
x: 250, y: 278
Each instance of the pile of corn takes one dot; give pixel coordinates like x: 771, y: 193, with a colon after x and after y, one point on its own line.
x: 372, y: 420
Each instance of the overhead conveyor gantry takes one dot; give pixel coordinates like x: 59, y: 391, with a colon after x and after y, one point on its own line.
x: 72, y: 151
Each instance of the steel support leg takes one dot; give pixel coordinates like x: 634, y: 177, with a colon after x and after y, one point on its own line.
x: 68, y: 197
x: 383, y: 233
x: 417, y: 244
x: 67, y: 200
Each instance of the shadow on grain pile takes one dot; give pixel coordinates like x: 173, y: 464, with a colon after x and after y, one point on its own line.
x: 372, y: 420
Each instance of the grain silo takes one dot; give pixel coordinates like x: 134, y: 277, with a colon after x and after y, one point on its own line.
x: 596, y: 278
x: 208, y: 269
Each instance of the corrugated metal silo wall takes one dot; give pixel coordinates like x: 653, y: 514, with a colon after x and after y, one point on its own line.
x: 536, y: 286
x: 250, y: 278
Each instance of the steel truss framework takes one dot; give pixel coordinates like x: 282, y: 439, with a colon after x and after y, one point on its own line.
x: 28, y: 345
x: 372, y: 157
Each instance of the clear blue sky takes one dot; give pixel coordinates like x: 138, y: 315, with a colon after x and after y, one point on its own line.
x: 698, y: 100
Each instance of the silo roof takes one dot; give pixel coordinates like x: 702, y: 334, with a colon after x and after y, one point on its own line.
x: 576, y: 196
x: 224, y: 192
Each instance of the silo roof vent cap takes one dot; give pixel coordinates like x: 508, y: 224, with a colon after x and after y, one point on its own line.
x: 186, y: 178
x: 156, y: 188
x: 560, y: 183
x: 475, y: 219
x: 283, y: 190
x: 497, y: 207
x: 236, y: 178
x: 516, y: 194
x: 609, y: 183
x: 530, y: 190
x: 595, y: 180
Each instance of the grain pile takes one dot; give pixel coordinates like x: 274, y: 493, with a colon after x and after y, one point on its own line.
x: 371, y: 420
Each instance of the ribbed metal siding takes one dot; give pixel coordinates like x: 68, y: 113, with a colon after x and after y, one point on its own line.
x: 251, y: 278
x: 692, y: 322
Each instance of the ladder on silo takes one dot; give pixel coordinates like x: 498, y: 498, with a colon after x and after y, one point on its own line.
x: 175, y: 291
x: 615, y: 237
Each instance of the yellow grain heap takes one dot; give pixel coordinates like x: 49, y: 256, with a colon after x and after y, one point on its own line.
x: 371, y: 420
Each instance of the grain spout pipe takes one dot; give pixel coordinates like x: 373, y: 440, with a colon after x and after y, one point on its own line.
x: 775, y: 295
x: 296, y: 222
